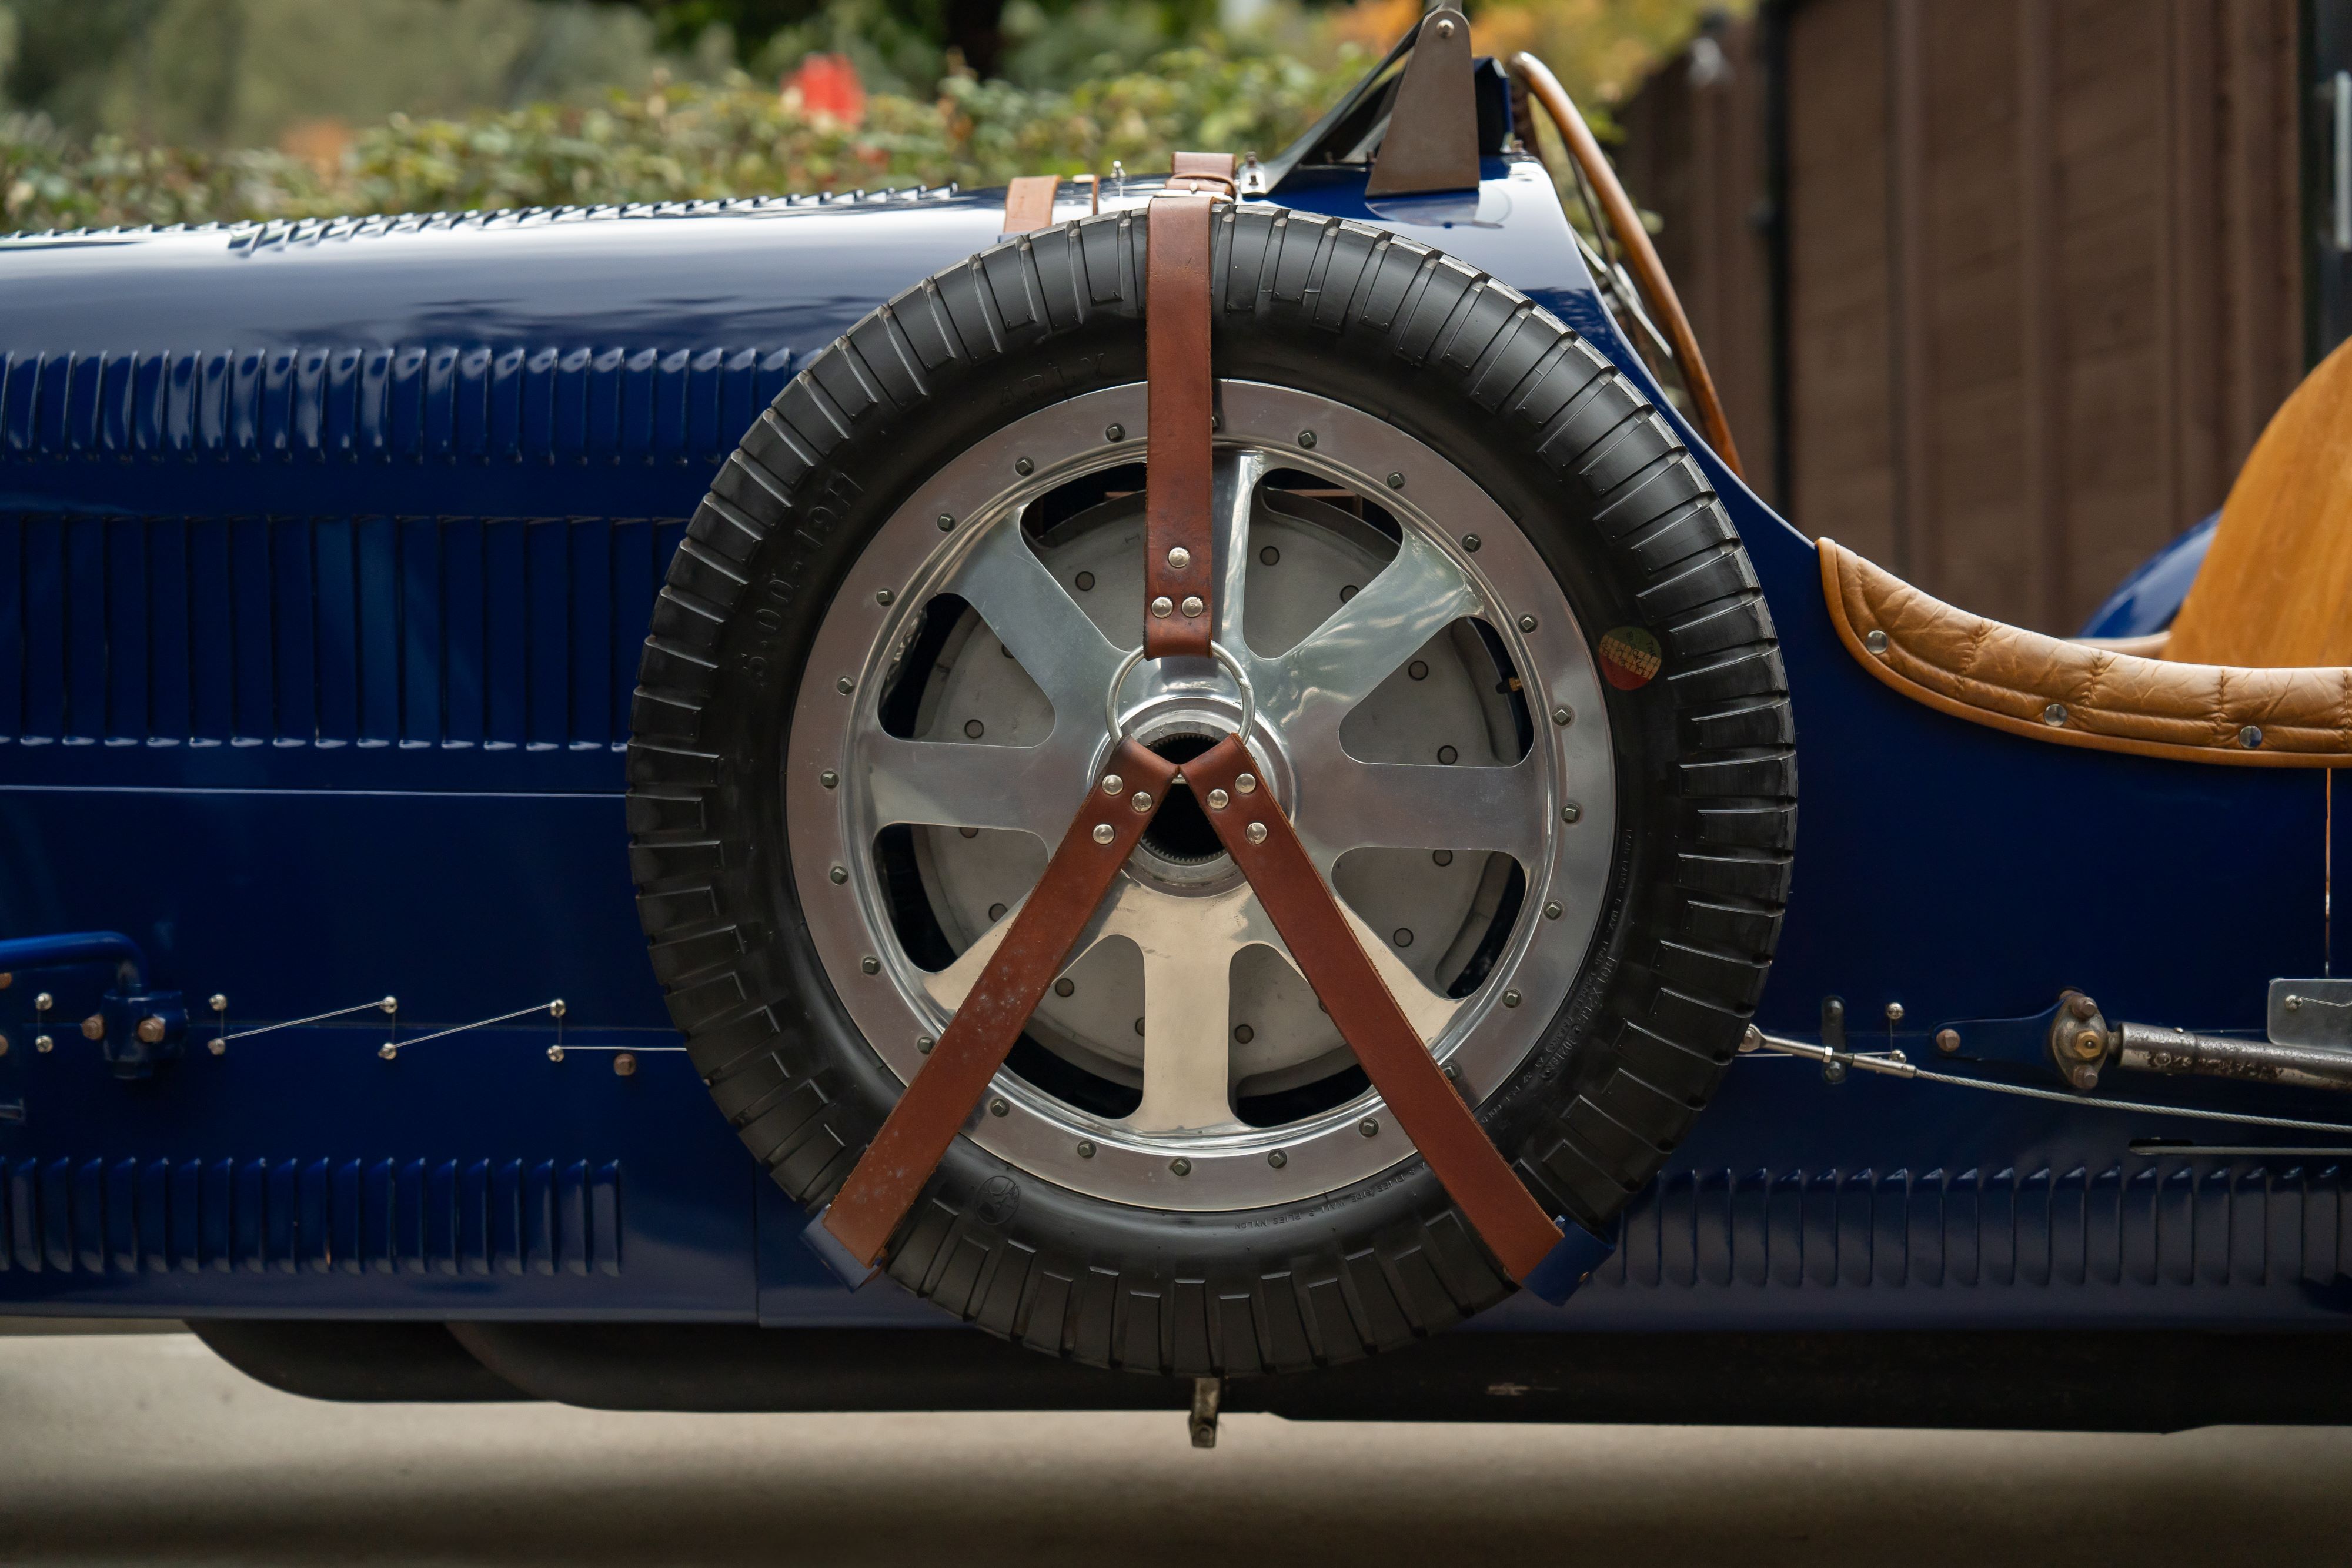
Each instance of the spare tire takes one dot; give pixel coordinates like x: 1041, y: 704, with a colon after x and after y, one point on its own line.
x: 1514, y: 682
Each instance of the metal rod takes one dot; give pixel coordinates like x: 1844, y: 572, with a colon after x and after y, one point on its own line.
x: 386, y: 1004
x: 554, y: 1009
x: 2144, y: 1048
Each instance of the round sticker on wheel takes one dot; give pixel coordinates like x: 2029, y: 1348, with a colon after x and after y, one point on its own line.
x: 1629, y: 658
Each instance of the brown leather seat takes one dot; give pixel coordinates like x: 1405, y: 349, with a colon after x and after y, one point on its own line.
x: 2257, y: 669
x: 2275, y: 590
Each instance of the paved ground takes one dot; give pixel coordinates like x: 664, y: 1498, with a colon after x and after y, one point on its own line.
x: 145, y: 1448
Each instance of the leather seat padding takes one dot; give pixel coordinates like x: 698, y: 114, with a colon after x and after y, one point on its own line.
x: 1990, y: 674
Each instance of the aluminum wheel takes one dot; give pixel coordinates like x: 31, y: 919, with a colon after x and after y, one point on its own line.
x: 1427, y: 709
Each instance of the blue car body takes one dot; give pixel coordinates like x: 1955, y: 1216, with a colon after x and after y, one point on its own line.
x: 326, y: 551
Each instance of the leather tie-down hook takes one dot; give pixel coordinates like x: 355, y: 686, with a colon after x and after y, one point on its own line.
x: 1127, y: 794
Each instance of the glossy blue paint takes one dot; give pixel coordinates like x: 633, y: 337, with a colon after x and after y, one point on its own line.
x: 324, y: 552
x: 2148, y: 600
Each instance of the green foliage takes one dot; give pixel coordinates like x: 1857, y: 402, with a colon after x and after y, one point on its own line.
x: 680, y: 142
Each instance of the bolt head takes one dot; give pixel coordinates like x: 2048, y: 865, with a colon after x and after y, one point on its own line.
x: 1563, y: 716
x: 218, y: 1047
x: 1255, y: 833
x: 1022, y: 466
x: 1276, y: 1158
x: 870, y: 964
x: 1163, y: 607
x: 1181, y: 1166
x: 1369, y: 1127
x: 2085, y: 1077
x: 1246, y: 783
x: 1114, y: 432
x: 1895, y: 1012
x: 1553, y: 911
x: 1444, y: 27
x: 94, y: 1027
x: 150, y: 1030
x: 1526, y: 623
x: 2083, y: 1008
x: 1307, y: 439
x: 1948, y: 1041
x: 839, y: 873
x: 1834, y: 1071
x: 624, y: 1064
x: 1751, y: 1040
x: 2089, y: 1046
x: 219, y: 1002
x: 1178, y: 558
x: 829, y: 778
x: 1510, y: 998
x: 945, y: 522
x: 1219, y: 799
x: 999, y: 1108
x: 1104, y: 832
x: 884, y: 596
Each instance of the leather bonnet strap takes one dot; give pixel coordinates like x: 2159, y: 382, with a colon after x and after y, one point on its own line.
x: 1179, y: 616
x: 928, y: 1116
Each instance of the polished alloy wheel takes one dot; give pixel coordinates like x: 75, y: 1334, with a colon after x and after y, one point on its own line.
x: 1423, y: 702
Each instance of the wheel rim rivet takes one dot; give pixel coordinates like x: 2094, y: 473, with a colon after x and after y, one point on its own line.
x: 1526, y: 623
x: 1104, y: 832
x: 1396, y: 481
x: 839, y: 873
x: 1570, y: 812
x: 1307, y: 439
x: 1470, y: 542
x: 1369, y: 1127
x: 829, y: 778
x: 999, y: 1108
x: 1085, y: 1145
x: 945, y: 522
x: 1552, y: 911
x: 884, y: 596
x: 923, y: 1044
x: 1510, y: 998
x: 1278, y: 1159
x: 1181, y: 1166
x: 844, y: 685
x: 1114, y: 432
x: 1563, y: 716
x: 1022, y: 466
x: 1256, y: 834
x: 870, y: 964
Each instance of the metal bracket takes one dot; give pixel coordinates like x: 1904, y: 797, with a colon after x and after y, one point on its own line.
x: 2311, y: 1012
x: 1432, y: 142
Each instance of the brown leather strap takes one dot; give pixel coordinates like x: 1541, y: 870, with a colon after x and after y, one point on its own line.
x: 947, y: 1088
x: 1432, y: 1115
x: 1177, y: 618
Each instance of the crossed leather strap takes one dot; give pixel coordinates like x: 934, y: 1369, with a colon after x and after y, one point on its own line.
x: 1122, y: 800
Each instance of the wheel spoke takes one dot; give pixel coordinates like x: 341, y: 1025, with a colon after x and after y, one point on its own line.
x: 1348, y: 805
x: 1427, y: 1010
x: 951, y: 784
x: 1419, y: 593
x: 1036, y: 618
x: 1232, y: 502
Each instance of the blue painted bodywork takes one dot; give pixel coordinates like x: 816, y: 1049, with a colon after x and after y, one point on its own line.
x: 2145, y: 601
x: 325, y: 552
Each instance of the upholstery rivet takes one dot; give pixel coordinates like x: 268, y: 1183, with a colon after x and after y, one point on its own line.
x: 1255, y: 833
x: 1875, y: 642
x: 2250, y: 736
x: 1219, y: 799
x: 870, y: 964
x: 1163, y: 607
x: 2054, y: 714
x: 1104, y: 832
x: 1112, y: 784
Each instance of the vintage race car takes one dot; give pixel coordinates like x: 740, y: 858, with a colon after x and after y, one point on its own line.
x: 479, y: 688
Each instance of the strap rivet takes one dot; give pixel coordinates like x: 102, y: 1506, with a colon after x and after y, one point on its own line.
x: 1219, y: 799
x: 1163, y: 607
x: 1142, y: 801
x: 1255, y: 833
x: 1104, y: 832
x: 1246, y: 783
x: 1178, y: 558
x: 1193, y: 604
x: 1112, y: 784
